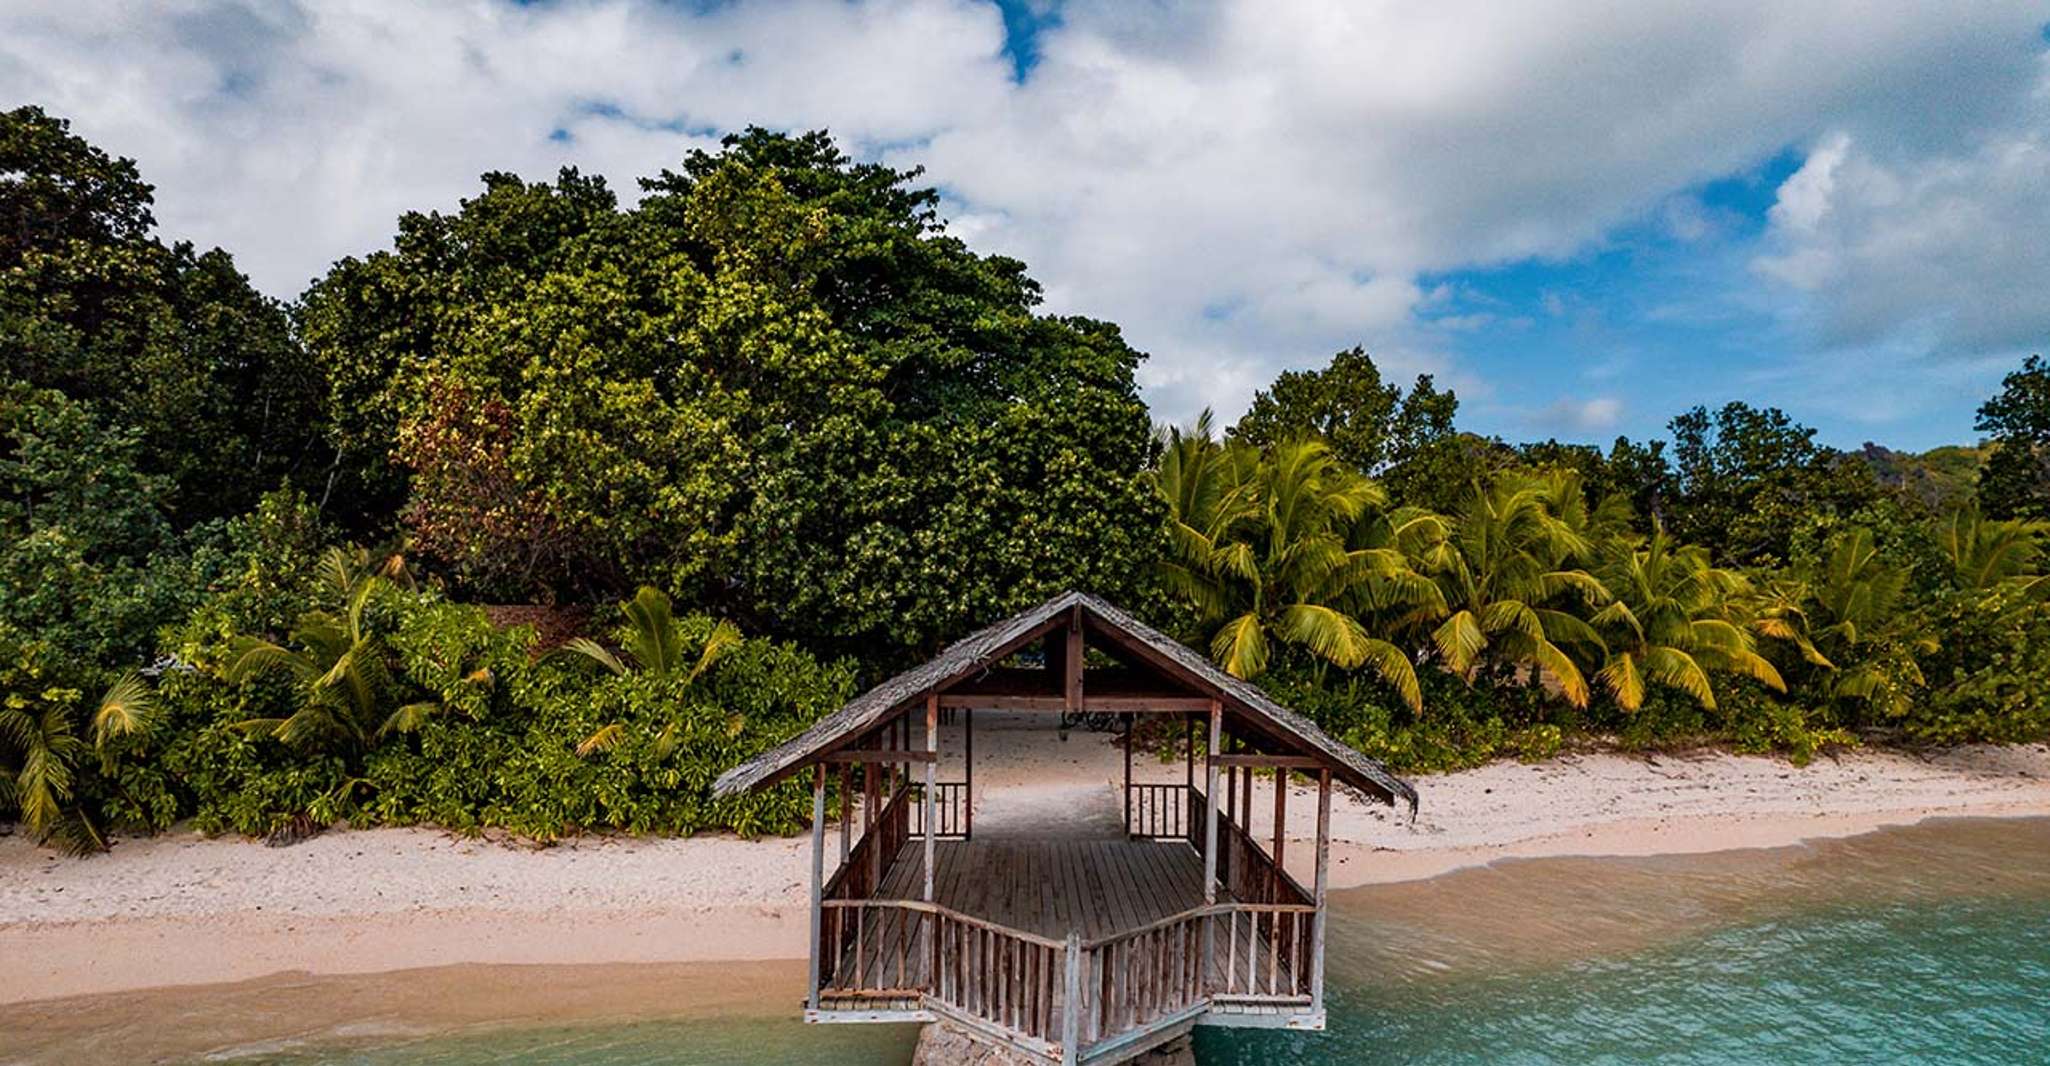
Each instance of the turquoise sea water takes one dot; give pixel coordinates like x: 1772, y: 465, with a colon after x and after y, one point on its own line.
x: 1962, y: 983
x: 1928, y: 945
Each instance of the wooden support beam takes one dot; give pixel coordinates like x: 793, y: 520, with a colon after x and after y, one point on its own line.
x: 1125, y: 704
x: 1269, y: 762
x: 846, y: 810
x: 968, y: 772
x: 1071, y: 1014
x: 869, y: 755
x: 1323, y: 885
x: 1189, y: 741
x: 1074, y: 662
x: 1128, y: 776
x: 818, y: 875
x: 1280, y: 830
x: 1210, y: 828
x: 1209, y: 843
x: 932, y: 759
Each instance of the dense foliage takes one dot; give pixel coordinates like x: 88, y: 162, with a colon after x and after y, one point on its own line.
x: 768, y: 434
x: 1739, y: 583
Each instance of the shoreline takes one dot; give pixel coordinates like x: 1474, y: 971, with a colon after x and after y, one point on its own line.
x: 180, y: 910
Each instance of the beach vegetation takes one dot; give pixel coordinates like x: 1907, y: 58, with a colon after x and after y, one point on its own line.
x: 540, y: 516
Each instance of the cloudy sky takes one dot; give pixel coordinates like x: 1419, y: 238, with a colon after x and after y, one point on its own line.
x: 1583, y: 215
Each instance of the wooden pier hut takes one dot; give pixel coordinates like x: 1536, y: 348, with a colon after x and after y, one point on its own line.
x: 1067, y: 951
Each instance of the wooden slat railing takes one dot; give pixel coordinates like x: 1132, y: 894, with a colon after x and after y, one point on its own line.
x: 1019, y: 986
x: 868, y: 864
x: 1161, y: 812
x: 1142, y: 978
x: 1002, y: 976
x: 975, y: 970
x: 950, y: 809
x: 1262, y: 953
x: 1248, y: 872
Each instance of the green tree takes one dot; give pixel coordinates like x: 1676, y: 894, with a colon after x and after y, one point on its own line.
x: 1846, y: 615
x: 344, y: 692
x: 776, y: 386
x: 1746, y: 478
x: 1675, y: 620
x: 1260, y: 544
x: 1511, y: 573
x: 654, y: 642
x: 1368, y: 423
x: 162, y: 341
x: 2015, y: 481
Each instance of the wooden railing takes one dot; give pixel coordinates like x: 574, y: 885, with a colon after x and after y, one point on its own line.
x: 870, y: 948
x: 870, y: 860
x: 974, y: 970
x: 1008, y: 978
x: 1017, y: 986
x: 950, y: 810
x: 1263, y: 952
x: 1135, y: 980
x: 1163, y: 812
x: 1249, y: 873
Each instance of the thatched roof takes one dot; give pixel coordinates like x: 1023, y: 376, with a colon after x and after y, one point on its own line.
x: 986, y: 647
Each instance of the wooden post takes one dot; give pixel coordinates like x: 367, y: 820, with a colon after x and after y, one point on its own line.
x: 1071, y: 1011
x: 1323, y: 882
x: 818, y: 874
x: 1129, y: 719
x: 932, y: 744
x: 968, y: 774
x: 1189, y: 741
x: 1280, y: 828
x: 872, y: 786
x: 846, y: 810
x: 1210, y: 842
x: 1210, y: 828
x: 1074, y: 662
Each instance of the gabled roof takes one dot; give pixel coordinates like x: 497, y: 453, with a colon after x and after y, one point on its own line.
x: 986, y: 647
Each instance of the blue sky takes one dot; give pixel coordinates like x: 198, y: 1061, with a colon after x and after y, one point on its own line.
x: 1584, y: 215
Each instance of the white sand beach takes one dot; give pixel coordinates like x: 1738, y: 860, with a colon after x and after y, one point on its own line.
x: 180, y: 909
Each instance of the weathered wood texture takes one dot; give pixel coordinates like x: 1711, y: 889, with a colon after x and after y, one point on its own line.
x: 994, y: 948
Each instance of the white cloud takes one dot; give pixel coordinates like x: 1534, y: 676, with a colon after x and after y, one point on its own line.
x: 1948, y: 251
x: 1242, y: 185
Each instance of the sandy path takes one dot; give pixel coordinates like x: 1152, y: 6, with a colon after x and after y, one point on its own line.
x: 179, y: 909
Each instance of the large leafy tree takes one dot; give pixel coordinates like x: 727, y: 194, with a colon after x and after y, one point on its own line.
x: 2015, y: 482
x: 1746, y: 478
x: 1367, y: 423
x: 776, y: 386
x: 159, y: 340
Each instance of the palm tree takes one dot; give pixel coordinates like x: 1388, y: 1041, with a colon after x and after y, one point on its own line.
x: 1845, y: 618
x: 1672, y: 621
x: 1271, y: 547
x: 654, y: 644
x: 339, y: 667
x: 1508, y: 563
x: 39, y: 778
x: 1987, y: 553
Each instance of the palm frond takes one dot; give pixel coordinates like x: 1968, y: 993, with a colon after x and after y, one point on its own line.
x: 1240, y: 647
x: 605, y: 739
x: 127, y: 707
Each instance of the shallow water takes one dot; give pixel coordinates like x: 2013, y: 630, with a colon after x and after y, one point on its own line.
x: 1927, y: 944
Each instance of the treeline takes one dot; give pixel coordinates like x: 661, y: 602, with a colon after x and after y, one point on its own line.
x: 546, y: 514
